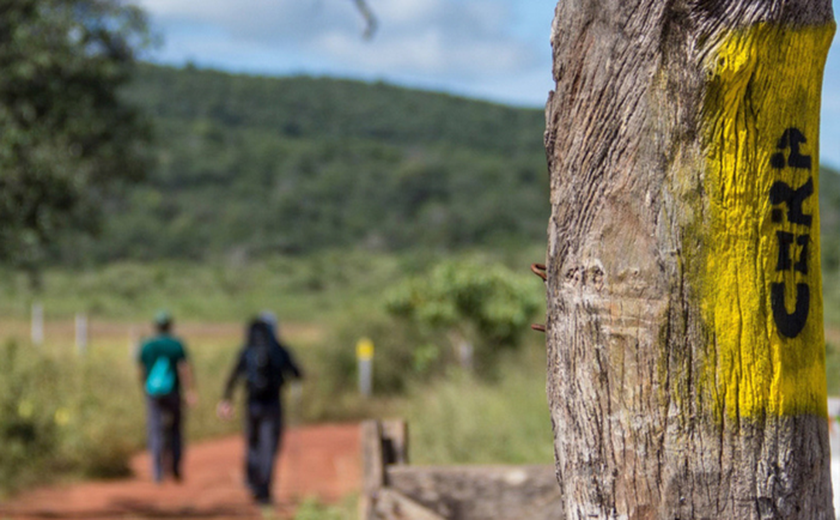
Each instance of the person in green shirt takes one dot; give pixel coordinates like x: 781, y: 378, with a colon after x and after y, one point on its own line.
x: 167, y: 379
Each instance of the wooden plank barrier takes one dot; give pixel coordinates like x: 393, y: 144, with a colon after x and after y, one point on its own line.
x: 395, y: 490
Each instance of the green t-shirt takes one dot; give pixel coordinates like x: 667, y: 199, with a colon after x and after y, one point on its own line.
x: 162, y: 346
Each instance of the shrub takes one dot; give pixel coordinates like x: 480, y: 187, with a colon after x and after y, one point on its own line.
x: 396, y: 360
x: 470, y: 301
x: 60, y: 414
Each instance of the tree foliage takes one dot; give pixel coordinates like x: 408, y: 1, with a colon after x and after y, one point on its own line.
x: 65, y: 135
x: 485, y: 304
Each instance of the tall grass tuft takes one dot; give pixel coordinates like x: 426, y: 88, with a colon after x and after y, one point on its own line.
x: 464, y: 420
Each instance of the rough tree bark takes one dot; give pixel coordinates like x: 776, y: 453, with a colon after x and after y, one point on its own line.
x: 686, y: 354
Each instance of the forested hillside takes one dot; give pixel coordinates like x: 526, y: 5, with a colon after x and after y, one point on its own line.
x: 251, y: 165
x: 247, y: 166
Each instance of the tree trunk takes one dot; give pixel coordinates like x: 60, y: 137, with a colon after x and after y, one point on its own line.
x: 685, y: 339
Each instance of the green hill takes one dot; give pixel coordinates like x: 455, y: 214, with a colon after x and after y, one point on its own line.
x: 248, y: 166
x: 252, y: 165
x: 330, y: 109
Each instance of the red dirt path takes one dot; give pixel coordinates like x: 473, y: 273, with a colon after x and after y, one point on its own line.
x: 317, y: 461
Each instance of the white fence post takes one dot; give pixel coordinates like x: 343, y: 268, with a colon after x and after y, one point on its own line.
x: 37, y: 328
x: 133, y: 342
x: 81, y: 333
x: 466, y: 355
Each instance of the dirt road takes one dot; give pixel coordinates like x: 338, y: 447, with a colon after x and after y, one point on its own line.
x: 322, y: 462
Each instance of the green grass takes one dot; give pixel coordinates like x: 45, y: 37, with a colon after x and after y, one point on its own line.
x: 312, y: 509
x: 832, y: 369
x: 462, y: 420
x: 317, y: 288
x: 831, y: 299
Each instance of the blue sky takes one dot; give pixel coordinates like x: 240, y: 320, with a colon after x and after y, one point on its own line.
x: 489, y: 49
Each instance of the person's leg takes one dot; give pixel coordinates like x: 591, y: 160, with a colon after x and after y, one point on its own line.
x: 252, y: 455
x: 175, y: 435
x: 154, y: 432
x: 263, y: 467
x: 273, y: 431
x: 268, y: 435
x: 260, y: 467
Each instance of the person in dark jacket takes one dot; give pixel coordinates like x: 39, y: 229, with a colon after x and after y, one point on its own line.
x: 265, y: 365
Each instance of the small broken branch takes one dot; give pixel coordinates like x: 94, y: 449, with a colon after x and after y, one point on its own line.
x: 370, y: 19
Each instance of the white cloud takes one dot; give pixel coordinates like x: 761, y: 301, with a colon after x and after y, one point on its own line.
x: 267, y: 21
x: 430, y: 51
x: 453, y: 38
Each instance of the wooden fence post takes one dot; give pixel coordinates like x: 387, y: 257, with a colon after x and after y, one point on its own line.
x: 373, y: 468
x: 395, y: 440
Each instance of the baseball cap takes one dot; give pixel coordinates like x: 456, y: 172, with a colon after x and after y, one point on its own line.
x: 163, y: 317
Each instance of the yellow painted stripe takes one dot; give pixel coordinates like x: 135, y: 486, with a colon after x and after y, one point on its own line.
x: 762, y: 119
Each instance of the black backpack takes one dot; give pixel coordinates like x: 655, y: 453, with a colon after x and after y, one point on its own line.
x: 262, y: 371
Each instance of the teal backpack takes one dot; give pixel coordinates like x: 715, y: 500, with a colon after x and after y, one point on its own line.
x: 161, y: 379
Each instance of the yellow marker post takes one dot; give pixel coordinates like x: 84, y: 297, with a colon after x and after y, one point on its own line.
x: 763, y: 287
x: 364, y: 349
x: 364, y: 355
